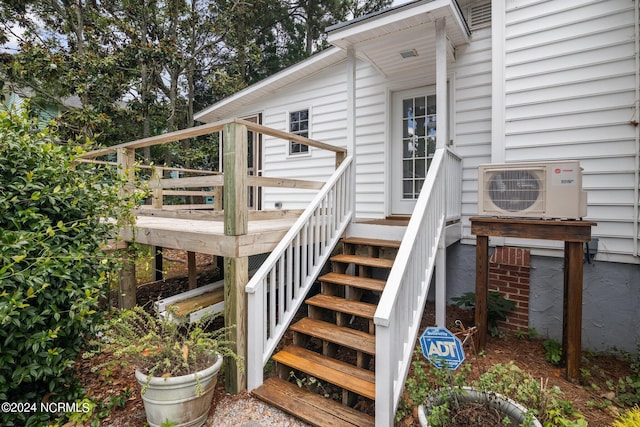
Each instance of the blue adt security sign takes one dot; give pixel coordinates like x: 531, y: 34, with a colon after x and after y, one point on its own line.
x: 442, y: 348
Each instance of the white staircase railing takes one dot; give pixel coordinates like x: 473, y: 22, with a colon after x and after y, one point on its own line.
x: 399, y: 312
x: 280, y: 285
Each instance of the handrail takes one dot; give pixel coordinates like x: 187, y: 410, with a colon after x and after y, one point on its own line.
x: 399, y: 311
x: 214, y: 180
x: 207, y: 129
x: 280, y: 285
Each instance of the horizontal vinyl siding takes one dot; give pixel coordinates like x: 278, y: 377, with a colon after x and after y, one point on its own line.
x: 323, y: 95
x: 570, y: 92
x: 371, y: 133
x: 472, y: 116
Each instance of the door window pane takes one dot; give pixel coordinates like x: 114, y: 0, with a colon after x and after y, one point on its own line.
x: 418, y: 142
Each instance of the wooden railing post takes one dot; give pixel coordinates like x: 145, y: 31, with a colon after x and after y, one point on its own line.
x: 236, y: 213
x: 217, y: 199
x: 127, y: 275
x: 156, y: 187
x: 236, y: 274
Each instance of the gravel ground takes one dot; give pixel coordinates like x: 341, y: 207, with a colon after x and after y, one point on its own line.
x: 242, y: 410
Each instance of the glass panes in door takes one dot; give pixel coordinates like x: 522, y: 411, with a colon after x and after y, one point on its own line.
x: 418, y: 142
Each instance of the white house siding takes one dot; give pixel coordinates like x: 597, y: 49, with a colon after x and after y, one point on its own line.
x: 371, y: 133
x: 570, y: 92
x: 471, y: 115
x: 324, y: 95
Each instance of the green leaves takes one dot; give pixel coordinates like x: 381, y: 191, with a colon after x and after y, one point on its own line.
x: 53, y: 272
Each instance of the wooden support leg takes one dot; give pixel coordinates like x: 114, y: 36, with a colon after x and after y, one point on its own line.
x: 572, y: 313
x: 482, y: 289
x: 191, y: 267
x: 127, y: 281
x: 236, y: 276
x: 157, y: 262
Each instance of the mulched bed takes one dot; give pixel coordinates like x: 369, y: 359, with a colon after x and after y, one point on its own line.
x: 117, y: 388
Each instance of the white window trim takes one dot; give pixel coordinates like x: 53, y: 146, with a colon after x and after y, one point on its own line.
x: 309, y: 133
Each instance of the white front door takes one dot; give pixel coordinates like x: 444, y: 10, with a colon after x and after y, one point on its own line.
x: 413, y: 143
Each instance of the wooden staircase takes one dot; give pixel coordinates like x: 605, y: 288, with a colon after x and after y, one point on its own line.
x: 333, y: 348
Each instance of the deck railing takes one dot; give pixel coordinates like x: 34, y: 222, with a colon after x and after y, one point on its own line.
x: 280, y: 285
x: 200, y: 184
x: 399, y: 312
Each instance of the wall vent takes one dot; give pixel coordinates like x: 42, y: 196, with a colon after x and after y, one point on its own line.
x: 479, y: 15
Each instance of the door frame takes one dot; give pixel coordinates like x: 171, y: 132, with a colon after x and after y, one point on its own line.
x: 393, y: 97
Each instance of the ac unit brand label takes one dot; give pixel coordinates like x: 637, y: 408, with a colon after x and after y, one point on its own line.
x: 564, y: 176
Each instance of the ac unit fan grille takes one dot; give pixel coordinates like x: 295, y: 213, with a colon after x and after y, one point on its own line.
x: 514, y: 190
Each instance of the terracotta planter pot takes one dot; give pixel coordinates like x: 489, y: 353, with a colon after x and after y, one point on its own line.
x: 183, y: 400
x: 507, y: 407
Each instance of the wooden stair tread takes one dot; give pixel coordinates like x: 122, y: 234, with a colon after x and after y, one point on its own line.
x: 346, y: 337
x: 372, y: 242
x: 310, y: 407
x: 357, y: 308
x: 366, y: 283
x: 363, y: 260
x: 200, y: 301
x: 344, y: 375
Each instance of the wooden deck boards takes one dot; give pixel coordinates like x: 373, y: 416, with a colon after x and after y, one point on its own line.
x: 208, y: 236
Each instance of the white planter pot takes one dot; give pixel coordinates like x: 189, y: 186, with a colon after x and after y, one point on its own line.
x: 182, y: 400
x: 506, y: 406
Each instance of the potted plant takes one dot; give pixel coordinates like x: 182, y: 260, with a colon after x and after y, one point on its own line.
x: 502, y: 395
x: 176, y: 364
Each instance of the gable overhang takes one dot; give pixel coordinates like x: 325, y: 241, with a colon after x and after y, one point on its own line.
x: 402, y: 39
x: 382, y: 39
x: 229, y: 106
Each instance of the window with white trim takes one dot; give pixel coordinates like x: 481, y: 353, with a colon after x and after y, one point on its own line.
x: 299, y: 125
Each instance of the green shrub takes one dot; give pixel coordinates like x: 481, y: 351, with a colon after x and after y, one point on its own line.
x: 553, y: 351
x: 497, y: 307
x: 630, y: 418
x: 53, y: 272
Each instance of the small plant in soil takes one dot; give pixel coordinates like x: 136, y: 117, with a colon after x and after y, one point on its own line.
x: 164, y: 348
x: 497, y: 307
x: 445, y: 392
x: 553, y: 351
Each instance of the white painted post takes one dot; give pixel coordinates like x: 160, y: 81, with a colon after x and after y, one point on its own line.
x: 442, y: 136
x: 498, y: 112
x: 255, y: 338
x: 351, y: 120
x: 441, y: 280
x: 384, y: 377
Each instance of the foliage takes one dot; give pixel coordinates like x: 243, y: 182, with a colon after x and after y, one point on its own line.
x: 158, y: 346
x: 630, y: 418
x: 137, y: 68
x: 553, y: 351
x: 628, y: 388
x: 53, y: 270
x: 442, y: 388
x: 497, y: 307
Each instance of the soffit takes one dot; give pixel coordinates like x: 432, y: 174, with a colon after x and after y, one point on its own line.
x: 382, y: 37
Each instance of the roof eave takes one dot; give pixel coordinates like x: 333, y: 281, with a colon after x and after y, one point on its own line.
x: 271, y: 84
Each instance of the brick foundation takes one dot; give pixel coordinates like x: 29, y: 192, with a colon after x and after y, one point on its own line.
x: 509, y: 274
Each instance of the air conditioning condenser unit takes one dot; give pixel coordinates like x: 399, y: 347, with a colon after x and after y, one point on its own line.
x: 533, y: 190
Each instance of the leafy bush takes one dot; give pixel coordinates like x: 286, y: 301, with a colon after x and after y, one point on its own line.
x: 553, y: 351
x: 429, y: 384
x: 497, y: 307
x: 630, y: 418
x: 53, y: 272
x: 162, y: 347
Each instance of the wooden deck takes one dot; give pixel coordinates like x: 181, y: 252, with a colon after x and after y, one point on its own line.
x: 213, y: 216
x: 208, y: 236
